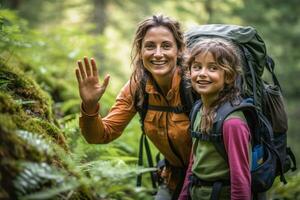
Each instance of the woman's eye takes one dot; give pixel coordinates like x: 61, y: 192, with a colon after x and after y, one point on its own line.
x: 149, y: 46
x: 166, y: 46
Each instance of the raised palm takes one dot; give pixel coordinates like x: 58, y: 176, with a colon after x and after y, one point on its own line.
x: 90, y: 89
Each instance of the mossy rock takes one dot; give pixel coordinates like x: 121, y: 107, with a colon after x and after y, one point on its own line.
x: 25, y: 92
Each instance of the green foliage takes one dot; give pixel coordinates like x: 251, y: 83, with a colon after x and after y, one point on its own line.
x: 40, y: 105
x: 10, y: 33
x: 36, y: 141
x: 288, y: 191
x: 35, y: 176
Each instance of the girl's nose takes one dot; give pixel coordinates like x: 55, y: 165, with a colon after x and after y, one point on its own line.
x: 202, y: 72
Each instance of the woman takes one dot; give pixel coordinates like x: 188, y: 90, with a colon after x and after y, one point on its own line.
x: 157, y: 57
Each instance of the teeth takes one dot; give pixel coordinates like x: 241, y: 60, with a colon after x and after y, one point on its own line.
x: 203, y: 82
x: 158, y: 62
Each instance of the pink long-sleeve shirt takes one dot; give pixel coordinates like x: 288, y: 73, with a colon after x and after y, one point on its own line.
x: 236, y: 137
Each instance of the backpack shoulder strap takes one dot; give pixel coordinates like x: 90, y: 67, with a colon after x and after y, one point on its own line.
x: 223, y: 112
x: 143, y: 139
x: 194, y: 110
x: 186, y: 95
x: 197, y: 134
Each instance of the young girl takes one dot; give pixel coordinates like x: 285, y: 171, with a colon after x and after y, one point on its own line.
x: 214, y: 66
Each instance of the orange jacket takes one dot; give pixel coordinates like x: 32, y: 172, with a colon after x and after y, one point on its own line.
x: 162, y: 128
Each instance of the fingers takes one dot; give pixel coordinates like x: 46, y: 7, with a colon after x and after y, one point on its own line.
x: 105, y: 83
x: 85, y: 70
x: 79, y: 80
x: 81, y: 70
x: 106, y: 80
x: 87, y: 66
x: 94, y: 67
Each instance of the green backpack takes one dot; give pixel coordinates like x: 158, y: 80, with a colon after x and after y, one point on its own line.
x: 262, y: 99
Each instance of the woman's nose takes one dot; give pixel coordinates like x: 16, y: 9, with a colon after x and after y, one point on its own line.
x: 158, y: 53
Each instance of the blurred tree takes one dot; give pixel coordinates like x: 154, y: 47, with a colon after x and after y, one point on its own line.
x: 11, y: 4
x: 99, y: 16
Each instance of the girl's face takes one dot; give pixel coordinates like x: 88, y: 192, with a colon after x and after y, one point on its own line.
x: 207, y: 77
x: 159, y: 52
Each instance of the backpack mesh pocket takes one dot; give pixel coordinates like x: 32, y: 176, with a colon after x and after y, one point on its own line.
x: 274, y: 108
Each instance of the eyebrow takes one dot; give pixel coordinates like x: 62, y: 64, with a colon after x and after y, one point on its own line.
x: 196, y: 62
x: 164, y: 41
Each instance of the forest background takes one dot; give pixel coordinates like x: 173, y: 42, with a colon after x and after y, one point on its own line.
x: 43, y: 155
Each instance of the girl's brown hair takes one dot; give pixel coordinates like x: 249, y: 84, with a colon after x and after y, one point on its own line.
x: 139, y: 71
x: 226, y: 55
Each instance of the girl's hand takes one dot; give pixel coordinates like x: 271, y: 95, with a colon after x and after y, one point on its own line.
x: 90, y: 89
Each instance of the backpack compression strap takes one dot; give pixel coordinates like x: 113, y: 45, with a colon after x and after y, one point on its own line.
x: 270, y: 67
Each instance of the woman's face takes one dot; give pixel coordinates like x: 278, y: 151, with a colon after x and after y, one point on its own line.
x: 159, y: 52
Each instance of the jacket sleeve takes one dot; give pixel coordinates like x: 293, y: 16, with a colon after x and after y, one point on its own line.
x: 236, y: 137
x: 103, y: 130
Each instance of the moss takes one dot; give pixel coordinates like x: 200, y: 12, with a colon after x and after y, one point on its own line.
x: 7, y: 104
x: 26, y: 92
x: 46, y: 128
x: 29, y: 106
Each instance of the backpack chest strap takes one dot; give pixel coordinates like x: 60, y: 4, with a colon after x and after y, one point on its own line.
x: 206, y: 137
x: 174, y: 109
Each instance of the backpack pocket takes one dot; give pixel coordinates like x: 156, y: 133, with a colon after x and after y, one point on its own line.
x: 263, y: 175
x: 274, y: 108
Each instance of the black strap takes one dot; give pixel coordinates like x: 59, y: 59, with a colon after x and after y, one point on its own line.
x: 292, y: 157
x: 249, y: 58
x: 194, y: 111
x: 207, y: 137
x: 216, y: 185
x: 216, y: 191
x: 177, y: 190
x: 140, y: 161
x: 270, y: 67
x: 177, y: 109
x: 143, y: 140
x: 187, y: 96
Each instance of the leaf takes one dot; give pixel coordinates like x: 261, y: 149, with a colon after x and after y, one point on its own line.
x: 51, y: 192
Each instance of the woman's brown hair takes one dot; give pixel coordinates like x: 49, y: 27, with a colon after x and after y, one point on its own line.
x: 226, y: 54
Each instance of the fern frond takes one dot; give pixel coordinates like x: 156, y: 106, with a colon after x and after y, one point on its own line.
x: 37, y: 141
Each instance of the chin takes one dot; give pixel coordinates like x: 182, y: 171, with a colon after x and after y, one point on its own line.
x: 160, y: 73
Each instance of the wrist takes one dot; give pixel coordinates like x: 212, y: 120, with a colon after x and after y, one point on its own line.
x: 90, y: 110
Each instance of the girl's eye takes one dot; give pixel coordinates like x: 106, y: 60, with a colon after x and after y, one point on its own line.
x: 213, y: 67
x: 196, y: 67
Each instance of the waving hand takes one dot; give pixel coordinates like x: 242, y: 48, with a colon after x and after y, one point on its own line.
x: 90, y: 89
